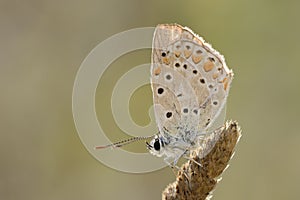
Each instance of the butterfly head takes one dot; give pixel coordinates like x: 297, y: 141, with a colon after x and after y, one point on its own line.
x: 156, y: 146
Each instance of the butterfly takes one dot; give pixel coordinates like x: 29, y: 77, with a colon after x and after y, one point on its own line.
x: 190, y: 83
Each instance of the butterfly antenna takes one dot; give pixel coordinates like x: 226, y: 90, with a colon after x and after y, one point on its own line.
x: 124, y: 142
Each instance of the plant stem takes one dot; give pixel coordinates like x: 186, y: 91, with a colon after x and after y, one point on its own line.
x: 198, y: 182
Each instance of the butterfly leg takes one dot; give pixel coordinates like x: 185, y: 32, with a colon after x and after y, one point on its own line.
x: 189, y: 158
x: 173, y: 165
x: 193, y: 160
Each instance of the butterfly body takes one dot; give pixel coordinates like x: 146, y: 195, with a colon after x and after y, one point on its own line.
x: 190, y: 83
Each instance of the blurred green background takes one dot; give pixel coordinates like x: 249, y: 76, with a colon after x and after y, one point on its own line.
x: 43, y: 44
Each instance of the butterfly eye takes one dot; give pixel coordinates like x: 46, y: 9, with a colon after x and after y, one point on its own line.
x: 156, y: 145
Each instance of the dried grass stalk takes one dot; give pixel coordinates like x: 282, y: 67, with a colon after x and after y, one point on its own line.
x: 199, y: 182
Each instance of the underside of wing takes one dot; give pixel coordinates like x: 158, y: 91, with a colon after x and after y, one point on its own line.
x: 190, y: 80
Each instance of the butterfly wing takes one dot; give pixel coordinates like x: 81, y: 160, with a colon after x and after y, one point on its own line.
x: 190, y: 80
